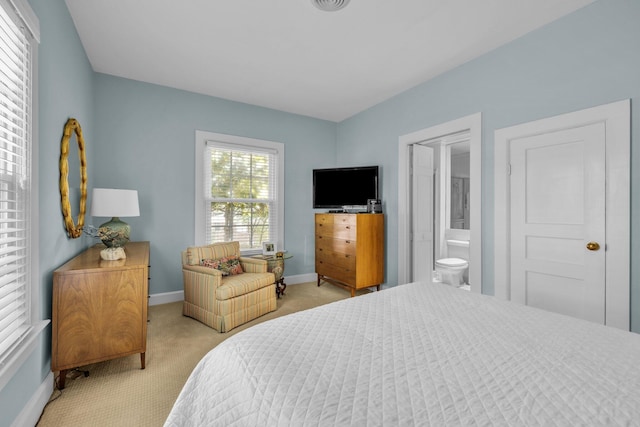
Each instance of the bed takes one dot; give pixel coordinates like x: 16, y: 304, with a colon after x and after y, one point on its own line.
x: 417, y: 354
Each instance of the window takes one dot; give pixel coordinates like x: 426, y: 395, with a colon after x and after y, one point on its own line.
x: 18, y: 187
x: 239, y: 191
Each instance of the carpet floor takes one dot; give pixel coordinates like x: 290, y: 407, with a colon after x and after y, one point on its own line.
x: 118, y: 393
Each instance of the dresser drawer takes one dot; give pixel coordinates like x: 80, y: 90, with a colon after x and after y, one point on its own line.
x: 346, y: 275
x: 334, y: 258
x: 346, y: 219
x: 324, y: 219
x: 329, y: 244
x: 339, y: 231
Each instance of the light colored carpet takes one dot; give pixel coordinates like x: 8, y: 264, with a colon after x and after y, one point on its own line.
x: 119, y: 393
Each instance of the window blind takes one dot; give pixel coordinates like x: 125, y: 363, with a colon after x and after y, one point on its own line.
x: 15, y: 183
x: 240, y: 194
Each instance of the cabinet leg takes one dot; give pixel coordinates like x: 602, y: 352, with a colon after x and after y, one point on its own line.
x: 62, y: 378
x: 353, y: 292
x: 319, y: 278
x: 378, y: 288
x: 142, y: 361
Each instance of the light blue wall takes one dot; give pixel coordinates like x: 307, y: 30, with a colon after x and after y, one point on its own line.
x: 65, y: 85
x: 142, y: 136
x: 146, y: 141
x: 588, y: 58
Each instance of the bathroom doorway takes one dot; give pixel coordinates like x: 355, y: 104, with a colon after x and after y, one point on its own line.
x: 449, y: 204
x: 456, y: 218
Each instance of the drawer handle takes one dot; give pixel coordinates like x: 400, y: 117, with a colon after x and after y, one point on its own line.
x: 347, y: 256
x: 320, y: 225
x: 319, y: 249
x: 348, y: 227
x: 319, y: 237
x: 347, y: 241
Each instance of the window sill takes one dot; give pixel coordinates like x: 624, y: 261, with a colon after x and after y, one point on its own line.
x: 22, y: 353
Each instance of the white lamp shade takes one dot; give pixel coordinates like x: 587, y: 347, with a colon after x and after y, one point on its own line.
x: 111, y: 202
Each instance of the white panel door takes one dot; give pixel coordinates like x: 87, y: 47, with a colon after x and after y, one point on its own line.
x: 422, y: 213
x: 558, y: 220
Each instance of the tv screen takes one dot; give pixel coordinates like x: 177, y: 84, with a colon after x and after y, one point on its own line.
x: 338, y: 187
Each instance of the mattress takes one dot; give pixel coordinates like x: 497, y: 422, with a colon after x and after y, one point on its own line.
x: 417, y: 354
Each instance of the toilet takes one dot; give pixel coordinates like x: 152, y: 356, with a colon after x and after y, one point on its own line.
x: 453, y: 270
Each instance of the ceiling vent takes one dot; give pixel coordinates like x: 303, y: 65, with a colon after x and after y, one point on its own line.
x: 330, y: 5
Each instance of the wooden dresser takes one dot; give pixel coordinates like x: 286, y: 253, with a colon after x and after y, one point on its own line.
x: 99, y: 308
x: 350, y: 250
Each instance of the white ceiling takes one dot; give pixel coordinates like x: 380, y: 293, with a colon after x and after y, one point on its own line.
x: 290, y: 56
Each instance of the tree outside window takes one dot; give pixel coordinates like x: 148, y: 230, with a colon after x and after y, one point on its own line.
x: 242, y: 196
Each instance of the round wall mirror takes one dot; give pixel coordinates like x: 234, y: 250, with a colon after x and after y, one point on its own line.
x: 72, y: 127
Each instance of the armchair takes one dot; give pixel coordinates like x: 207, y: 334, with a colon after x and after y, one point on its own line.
x: 223, y: 302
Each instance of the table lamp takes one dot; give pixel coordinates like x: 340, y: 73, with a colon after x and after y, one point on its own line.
x: 115, y: 203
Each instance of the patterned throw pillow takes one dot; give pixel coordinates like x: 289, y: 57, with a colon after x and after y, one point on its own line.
x: 229, y: 266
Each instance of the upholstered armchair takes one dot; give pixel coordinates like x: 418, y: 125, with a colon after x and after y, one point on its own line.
x: 217, y: 295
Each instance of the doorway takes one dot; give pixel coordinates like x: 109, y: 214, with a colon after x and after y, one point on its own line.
x: 408, y: 203
x: 562, y: 214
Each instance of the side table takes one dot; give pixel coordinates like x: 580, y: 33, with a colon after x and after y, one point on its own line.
x: 275, y: 265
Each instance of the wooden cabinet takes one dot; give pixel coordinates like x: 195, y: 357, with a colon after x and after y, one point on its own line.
x: 99, y: 308
x: 350, y: 250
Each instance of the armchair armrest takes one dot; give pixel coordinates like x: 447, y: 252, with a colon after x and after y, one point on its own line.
x: 254, y: 265
x: 200, y: 284
x: 202, y: 270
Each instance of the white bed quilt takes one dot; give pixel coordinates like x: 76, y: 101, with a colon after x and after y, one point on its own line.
x: 417, y: 354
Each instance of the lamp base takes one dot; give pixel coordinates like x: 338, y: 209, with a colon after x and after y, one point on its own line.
x: 114, y: 233
x: 112, y: 254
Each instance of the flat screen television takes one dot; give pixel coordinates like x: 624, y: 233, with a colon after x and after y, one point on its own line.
x: 340, y: 187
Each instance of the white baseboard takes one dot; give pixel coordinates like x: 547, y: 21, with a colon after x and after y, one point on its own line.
x: 300, y: 278
x: 167, y: 297
x: 30, y: 414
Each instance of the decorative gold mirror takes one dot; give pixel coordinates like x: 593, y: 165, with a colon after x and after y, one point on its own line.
x: 72, y: 126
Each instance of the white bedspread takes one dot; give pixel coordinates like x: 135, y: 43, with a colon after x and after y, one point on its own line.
x: 417, y: 354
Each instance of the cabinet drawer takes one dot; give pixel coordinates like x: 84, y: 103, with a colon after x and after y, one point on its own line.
x: 344, y: 275
x: 341, y: 246
x: 335, y: 258
x: 340, y: 219
x: 339, y: 231
x: 336, y: 219
x: 324, y: 219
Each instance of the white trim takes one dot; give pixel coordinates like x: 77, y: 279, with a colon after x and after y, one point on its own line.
x: 301, y: 278
x: 28, y: 16
x: 31, y: 412
x: 22, y: 352
x: 166, y: 297
x: 201, y: 139
x: 473, y: 123
x: 25, y: 348
x: 616, y: 117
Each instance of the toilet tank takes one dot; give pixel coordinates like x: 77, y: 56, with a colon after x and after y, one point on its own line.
x: 458, y: 249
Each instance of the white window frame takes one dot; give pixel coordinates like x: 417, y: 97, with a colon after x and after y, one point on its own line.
x: 202, y: 137
x: 10, y: 363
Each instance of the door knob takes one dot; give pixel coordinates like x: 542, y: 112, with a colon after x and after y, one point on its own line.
x: 593, y: 246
